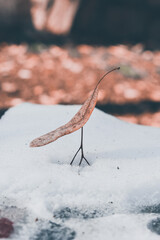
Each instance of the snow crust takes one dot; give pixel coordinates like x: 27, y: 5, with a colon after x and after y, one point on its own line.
x: 123, y: 178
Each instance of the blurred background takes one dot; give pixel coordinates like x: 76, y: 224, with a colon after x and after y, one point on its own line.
x: 54, y: 52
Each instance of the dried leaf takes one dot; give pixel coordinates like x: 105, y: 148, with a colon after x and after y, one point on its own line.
x: 77, y: 122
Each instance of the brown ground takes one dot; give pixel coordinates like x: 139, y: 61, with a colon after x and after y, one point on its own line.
x: 67, y: 75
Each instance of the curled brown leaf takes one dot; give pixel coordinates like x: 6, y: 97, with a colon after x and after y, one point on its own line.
x: 77, y: 122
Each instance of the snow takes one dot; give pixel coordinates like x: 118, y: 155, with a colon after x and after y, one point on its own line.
x: 106, y: 199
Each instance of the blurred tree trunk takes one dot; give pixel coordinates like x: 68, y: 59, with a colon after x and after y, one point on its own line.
x: 38, y: 13
x: 61, y: 16
x: 54, y: 16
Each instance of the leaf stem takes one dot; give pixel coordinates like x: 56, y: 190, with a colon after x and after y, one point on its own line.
x: 106, y: 75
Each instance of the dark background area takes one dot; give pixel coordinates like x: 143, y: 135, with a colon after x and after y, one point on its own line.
x: 96, y: 22
x: 118, y: 21
x: 44, y: 65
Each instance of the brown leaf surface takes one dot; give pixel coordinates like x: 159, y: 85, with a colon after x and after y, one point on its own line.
x: 77, y: 122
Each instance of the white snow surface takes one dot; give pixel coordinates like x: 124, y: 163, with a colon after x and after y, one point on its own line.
x: 124, y: 175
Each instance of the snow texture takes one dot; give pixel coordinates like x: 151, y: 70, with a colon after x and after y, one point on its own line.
x: 117, y: 197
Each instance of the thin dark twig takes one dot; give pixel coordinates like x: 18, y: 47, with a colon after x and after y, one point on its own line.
x: 82, y: 153
x: 81, y: 146
x: 86, y: 160
x: 82, y: 137
x: 75, y: 156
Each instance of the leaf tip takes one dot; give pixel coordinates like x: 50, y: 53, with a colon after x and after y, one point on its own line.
x: 36, y: 143
x: 32, y: 144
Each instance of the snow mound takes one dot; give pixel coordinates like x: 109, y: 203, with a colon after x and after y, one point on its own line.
x: 105, y: 200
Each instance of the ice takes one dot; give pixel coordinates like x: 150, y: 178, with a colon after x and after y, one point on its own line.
x: 103, y: 201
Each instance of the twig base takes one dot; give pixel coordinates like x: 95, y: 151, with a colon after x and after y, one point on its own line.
x: 80, y: 149
x: 82, y: 157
